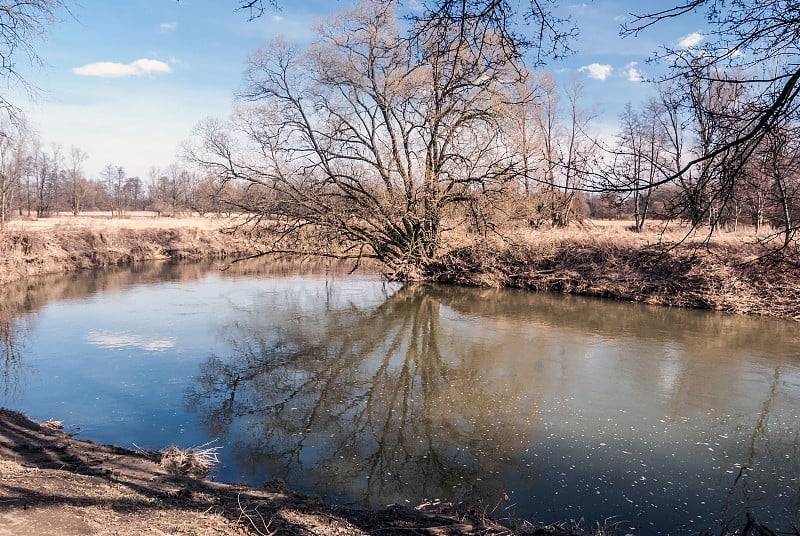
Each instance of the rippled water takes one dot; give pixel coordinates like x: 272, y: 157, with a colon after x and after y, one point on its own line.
x: 368, y: 393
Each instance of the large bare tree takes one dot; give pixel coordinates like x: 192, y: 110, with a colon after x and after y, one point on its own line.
x: 364, y: 141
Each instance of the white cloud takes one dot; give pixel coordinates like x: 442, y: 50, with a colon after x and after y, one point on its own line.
x: 277, y: 18
x: 688, y: 41
x: 168, y: 26
x: 108, y: 69
x: 597, y: 71
x: 118, y: 341
x: 632, y: 73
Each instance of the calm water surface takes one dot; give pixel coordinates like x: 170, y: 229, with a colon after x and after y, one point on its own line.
x: 368, y: 393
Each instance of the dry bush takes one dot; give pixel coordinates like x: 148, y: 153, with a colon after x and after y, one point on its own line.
x: 195, y: 462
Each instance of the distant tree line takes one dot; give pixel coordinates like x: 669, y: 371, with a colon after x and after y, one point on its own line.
x: 37, y: 181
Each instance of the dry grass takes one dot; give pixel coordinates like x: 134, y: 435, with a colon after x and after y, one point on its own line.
x: 66, y: 243
x: 732, y: 273
x: 195, y: 462
x: 671, y: 265
x: 94, y: 221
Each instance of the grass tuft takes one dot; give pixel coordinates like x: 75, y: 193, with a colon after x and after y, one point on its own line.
x: 196, y: 462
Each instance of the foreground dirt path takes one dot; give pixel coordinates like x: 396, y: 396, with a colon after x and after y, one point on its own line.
x: 51, y: 483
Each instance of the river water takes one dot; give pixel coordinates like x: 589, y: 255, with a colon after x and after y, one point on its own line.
x: 366, y: 393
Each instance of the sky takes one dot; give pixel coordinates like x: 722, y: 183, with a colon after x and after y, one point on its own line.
x: 127, y: 80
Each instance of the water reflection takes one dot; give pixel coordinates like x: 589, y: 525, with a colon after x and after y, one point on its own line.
x: 13, y: 332
x: 368, y: 405
x: 569, y: 405
x: 370, y: 393
x: 21, y: 300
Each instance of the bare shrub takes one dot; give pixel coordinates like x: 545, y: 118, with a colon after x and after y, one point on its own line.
x: 195, y: 462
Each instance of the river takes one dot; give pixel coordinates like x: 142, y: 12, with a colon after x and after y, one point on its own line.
x: 367, y: 393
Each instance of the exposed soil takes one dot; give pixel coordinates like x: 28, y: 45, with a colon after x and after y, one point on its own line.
x: 51, y: 483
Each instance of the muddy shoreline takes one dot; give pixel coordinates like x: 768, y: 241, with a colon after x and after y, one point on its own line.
x: 51, y: 483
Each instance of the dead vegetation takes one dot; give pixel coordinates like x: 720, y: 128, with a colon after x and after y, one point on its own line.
x: 65, y: 244
x: 730, y: 274
x: 196, y: 462
x: 733, y: 272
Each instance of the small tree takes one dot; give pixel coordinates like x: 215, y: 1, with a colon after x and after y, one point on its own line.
x: 76, y: 182
x: 640, y: 157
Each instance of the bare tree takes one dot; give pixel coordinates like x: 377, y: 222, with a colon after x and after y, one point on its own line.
x: 76, y: 182
x: 113, y: 178
x: 364, y: 141
x: 48, y: 172
x: 578, y: 151
x: 14, y: 163
x: 132, y: 193
x: 781, y: 154
x: 21, y: 23
x: 169, y: 188
x: 758, y: 40
x: 640, y: 156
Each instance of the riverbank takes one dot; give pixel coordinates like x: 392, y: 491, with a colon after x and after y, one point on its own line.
x: 732, y: 274
x: 51, y: 483
x: 67, y: 243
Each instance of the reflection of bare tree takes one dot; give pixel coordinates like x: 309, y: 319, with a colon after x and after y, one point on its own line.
x: 773, y: 438
x: 363, y: 400
x: 12, y: 334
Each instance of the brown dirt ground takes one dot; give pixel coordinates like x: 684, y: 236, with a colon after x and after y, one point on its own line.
x: 51, y: 483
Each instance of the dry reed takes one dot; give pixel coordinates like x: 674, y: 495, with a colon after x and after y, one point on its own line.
x: 195, y: 462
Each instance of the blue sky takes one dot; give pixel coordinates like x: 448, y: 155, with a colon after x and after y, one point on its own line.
x: 126, y: 80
